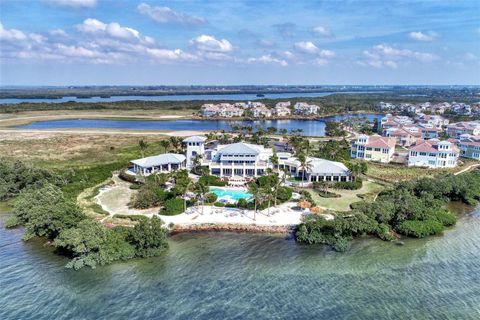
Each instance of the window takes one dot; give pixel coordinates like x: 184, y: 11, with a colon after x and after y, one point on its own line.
x: 369, y: 149
x: 423, y: 153
x: 377, y: 149
x: 385, y: 151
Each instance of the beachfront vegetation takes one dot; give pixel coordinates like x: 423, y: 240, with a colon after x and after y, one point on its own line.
x: 413, y: 208
x: 46, y: 210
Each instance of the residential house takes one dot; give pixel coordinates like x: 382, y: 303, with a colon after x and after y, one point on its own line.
x: 469, y: 146
x: 261, y: 112
x: 433, y: 153
x: 373, y: 148
x: 162, y: 163
x: 455, y: 130
x: 305, y: 108
x: 405, y: 136
x: 210, y: 110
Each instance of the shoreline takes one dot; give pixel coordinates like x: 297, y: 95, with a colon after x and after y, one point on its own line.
x: 232, y: 227
x: 13, y: 123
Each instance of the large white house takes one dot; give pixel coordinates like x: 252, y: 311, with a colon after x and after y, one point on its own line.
x: 242, y: 160
x: 167, y: 162
x: 433, y: 153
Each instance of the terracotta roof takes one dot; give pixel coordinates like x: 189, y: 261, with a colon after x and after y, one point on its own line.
x: 380, y: 142
x: 430, y: 146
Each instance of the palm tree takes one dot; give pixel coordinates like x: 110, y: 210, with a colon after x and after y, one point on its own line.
x: 201, y: 190
x: 143, y: 145
x: 165, y: 144
x: 258, y: 195
x: 196, y: 163
x: 305, y: 164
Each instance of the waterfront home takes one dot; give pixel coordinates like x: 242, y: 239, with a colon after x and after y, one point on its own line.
x: 195, y: 147
x: 405, y: 136
x: 373, y: 148
x: 316, y: 169
x: 305, y: 108
x: 433, y: 153
x: 210, y: 110
x: 162, y: 163
x: 230, y: 111
x: 390, y: 121
x: 283, y: 104
x: 240, y: 160
x: 469, y: 146
x: 435, y: 121
x: 282, y: 109
x: 455, y: 130
x: 261, y: 111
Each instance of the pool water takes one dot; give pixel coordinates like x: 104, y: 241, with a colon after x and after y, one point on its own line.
x: 230, y: 194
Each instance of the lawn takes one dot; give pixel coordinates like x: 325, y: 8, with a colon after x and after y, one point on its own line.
x: 397, y: 172
x: 347, y: 197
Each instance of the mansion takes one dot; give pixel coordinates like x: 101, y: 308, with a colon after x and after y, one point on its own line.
x: 241, y: 160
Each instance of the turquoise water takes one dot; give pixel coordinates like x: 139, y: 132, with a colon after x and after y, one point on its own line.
x: 247, y: 276
x: 232, y: 193
x: 310, y: 127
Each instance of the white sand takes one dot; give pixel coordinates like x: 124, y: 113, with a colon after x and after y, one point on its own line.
x: 114, y: 199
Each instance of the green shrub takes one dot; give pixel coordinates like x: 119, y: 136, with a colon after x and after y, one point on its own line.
x: 242, y: 203
x: 12, y: 222
x: 219, y: 204
x: 284, y: 193
x: 127, y: 177
x: 210, y: 197
x: 172, y: 207
x: 328, y: 194
x: 131, y: 217
x: 349, y: 185
x: 212, y: 181
x: 135, y: 186
x: 420, y: 229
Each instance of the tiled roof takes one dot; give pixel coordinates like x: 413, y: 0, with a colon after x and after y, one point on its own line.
x: 380, y: 142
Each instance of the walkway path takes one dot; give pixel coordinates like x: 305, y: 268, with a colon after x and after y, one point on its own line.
x: 467, y: 169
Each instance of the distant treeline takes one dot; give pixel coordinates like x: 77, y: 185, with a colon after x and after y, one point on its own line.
x: 332, y: 104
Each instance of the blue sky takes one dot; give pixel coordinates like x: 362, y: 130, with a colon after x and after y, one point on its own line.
x: 95, y: 42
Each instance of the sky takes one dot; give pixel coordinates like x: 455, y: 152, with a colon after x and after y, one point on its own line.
x: 233, y: 42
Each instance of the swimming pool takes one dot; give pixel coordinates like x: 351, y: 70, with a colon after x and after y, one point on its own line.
x: 230, y: 194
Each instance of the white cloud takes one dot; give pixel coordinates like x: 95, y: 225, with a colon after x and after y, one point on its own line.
x: 268, y: 59
x: 322, y: 31
x: 111, y: 30
x: 167, y: 15
x: 421, y: 36
x: 210, y: 43
x: 57, y: 33
x: 72, y: 3
x: 11, y: 34
x: 306, y: 47
x: 321, y: 62
x: 326, y: 54
x: 386, y: 56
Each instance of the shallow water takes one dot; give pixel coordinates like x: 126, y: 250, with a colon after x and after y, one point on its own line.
x: 309, y: 127
x: 247, y: 276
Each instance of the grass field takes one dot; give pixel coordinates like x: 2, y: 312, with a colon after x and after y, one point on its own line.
x: 347, y: 197
x: 396, y: 173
